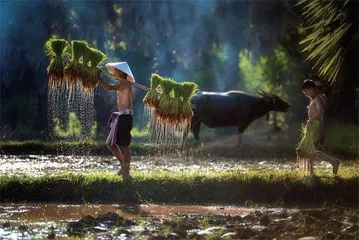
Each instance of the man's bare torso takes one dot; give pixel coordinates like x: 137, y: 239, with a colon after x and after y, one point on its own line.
x: 124, y: 96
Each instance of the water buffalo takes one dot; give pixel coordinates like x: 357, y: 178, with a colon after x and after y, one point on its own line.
x: 233, y: 108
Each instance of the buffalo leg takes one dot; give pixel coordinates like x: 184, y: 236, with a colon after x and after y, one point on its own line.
x: 195, y: 127
x: 240, y: 134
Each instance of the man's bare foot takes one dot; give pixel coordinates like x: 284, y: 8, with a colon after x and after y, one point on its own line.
x: 120, y: 172
x: 336, y: 167
x: 126, y: 176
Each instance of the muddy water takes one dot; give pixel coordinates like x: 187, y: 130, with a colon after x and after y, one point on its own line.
x: 37, y: 165
x: 31, y: 221
x: 64, y: 212
x: 39, y: 221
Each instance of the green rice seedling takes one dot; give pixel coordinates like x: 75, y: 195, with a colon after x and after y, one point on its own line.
x: 56, y: 49
x: 306, y: 149
x: 189, y: 90
x: 74, y: 69
x: 152, y: 97
x: 84, y: 61
x: 165, y: 102
x: 176, y: 108
x: 92, y: 59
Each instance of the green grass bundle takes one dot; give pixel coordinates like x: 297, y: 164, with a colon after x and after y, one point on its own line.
x: 56, y: 49
x: 74, y: 70
x: 165, y: 106
x: 92, y: 58
x: 176, y: 107
x: 189, y: 90
x: 306, y: 149
x: 152, y: 97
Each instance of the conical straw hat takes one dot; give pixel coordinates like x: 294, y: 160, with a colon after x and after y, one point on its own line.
x: 121, y: 66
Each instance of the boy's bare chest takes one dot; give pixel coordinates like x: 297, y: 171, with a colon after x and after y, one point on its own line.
x: 312, y: 108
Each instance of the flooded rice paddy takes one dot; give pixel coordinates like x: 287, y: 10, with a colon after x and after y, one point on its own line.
x: 149, y: 221
x: 38, y: 165
x: 40, y: 221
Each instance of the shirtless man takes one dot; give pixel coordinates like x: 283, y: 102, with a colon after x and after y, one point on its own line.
x: 315, y: 113
x: 321, y: 92
x: 121, y: 121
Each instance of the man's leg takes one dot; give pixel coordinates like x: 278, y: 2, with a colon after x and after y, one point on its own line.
x: 127, y: 160
x: 324, y: 157
x: 118, y: 154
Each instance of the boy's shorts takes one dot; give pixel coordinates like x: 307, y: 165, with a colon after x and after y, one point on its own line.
x: 124, y: 130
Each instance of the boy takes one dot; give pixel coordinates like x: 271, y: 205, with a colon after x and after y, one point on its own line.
x: 315, y: 114
x: 121, y: 122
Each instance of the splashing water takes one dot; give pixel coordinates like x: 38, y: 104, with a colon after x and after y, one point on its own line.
x: 164, y: 134
x: 66, y: 99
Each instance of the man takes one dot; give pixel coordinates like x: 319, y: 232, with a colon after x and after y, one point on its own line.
x: 121, y: 122
x: 315, y: 114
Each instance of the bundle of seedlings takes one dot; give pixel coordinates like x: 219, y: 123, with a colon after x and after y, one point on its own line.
x: 152, y: 97
x: 163, y: 110
x: 306, y: 150
x: 56, y: 49
x: 91, y: 60
x: 74, y: 70
x: 189, y: 91
x: 176, y: 108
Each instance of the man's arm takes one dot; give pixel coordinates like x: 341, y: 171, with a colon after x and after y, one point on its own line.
x: 110, y: 87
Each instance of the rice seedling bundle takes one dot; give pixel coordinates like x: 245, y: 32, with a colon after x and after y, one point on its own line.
x: 74, y: 70
x: 175, y: 113
x: 165, y: 101
x: 152, y: 97
x: 92, y: 58
x: 306, y: 149
x: 56, y: 49
x: 188, y: 92
x: 85, y: 63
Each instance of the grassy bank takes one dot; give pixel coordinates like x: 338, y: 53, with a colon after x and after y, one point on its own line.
x: 255, y: 187
x: 270, y: 148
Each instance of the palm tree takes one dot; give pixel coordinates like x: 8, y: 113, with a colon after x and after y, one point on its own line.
x: 330, y: 30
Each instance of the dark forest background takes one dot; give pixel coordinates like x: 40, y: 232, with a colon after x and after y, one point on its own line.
x: 220, y: 45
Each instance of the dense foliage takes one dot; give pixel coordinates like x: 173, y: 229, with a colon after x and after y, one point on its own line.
x: 220, y: 45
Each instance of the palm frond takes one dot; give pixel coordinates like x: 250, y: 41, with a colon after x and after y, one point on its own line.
x: 328, y: 26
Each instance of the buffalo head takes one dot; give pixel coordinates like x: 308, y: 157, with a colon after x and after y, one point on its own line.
x: 277, y: 104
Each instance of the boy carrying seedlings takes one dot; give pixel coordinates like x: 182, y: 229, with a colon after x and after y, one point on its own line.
x: 121, y: 122
x: 315, y: 129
